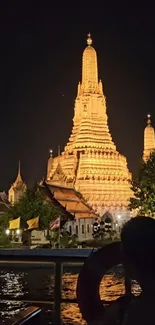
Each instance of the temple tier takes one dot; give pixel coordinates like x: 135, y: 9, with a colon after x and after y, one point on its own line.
x: 90, y: 162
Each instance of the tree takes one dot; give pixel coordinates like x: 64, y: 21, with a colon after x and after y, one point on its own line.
x: 4, y: 222
x: 66, y: 239
x: 31, y: 205
x: 143, y: 187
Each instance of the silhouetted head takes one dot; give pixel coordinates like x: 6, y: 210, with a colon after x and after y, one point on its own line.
x: 138, y: 248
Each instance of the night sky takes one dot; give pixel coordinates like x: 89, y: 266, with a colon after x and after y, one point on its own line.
x: 41, y: 54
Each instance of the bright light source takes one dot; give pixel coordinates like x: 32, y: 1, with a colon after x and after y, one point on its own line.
x: 7, y: 231
x: 148, y: 115
x: 18, y: 231
x: 51, y: 152
x: 118, y: 217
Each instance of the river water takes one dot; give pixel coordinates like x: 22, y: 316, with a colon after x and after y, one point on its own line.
x: 37, y: 283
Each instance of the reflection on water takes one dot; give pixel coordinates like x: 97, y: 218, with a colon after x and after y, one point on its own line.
x: 11, y: 283
x: 71, y: 315
x: 38, y: 283
x: 8, y: 309
x: 112, y: 285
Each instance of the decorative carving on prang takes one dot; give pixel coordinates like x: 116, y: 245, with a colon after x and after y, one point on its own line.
x: 100, y: 173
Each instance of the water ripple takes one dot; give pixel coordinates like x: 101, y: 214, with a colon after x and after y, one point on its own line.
x: 38, y: 284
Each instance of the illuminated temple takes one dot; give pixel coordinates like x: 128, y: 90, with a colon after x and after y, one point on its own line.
x: 90, y: 162
x: 17, y: 189
x: 149, y: 139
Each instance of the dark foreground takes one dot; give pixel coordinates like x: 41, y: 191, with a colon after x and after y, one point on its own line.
x: 19, y: 285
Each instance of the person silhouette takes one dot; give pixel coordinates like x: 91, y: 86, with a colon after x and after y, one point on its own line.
x: 138, y: 251
x: 26, y: 237
x: 138, y: 255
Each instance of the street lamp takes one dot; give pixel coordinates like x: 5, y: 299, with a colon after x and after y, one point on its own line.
x: 18, y: 231
x: 7, y: 231
x: 118, y: 217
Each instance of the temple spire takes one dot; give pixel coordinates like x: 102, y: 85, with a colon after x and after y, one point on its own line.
x: 89, y: 68
x: 149, y: 139
x: 51, y: 153
x: 18, y: 188
x: 89, y: 39
x: 19, y: 178
x: 19, y: 167
x: 58, y: 150
x: 148, y: 119
x: 90, y: 162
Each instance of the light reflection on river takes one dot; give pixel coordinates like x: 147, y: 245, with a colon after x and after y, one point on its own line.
x: 38, y: 283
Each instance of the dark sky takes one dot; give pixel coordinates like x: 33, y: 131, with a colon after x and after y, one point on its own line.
x: 41, y: 50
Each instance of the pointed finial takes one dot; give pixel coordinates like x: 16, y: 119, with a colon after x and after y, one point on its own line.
x: 148, y: 119
x: 89, y: 40
x: 18, y: 179
x: 51, y: 152
x: 19, y: 167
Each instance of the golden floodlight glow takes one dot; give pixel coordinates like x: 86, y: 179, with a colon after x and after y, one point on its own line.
x: 90, y: 162
x: 17, y: 189
x: 89, y: 40
x: 149, y: 139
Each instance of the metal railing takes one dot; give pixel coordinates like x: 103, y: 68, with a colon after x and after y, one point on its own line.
x: 43, y: 257
x: 17, y: 257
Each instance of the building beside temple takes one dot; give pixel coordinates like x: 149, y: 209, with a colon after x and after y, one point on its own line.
x: 17, y: 189
x: 149, y: 139
x: 78, y: 215
x: 90, y: 162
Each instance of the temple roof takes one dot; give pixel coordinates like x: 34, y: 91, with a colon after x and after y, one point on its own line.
x: 18, y: 182
x: 44, y: 189
x: 71, y: 200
